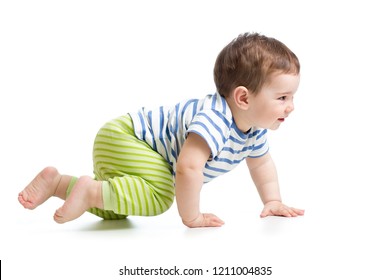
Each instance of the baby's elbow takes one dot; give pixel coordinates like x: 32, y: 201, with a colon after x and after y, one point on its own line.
x: 186, y: 167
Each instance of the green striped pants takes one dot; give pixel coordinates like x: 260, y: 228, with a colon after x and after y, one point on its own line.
x: 136, y: 180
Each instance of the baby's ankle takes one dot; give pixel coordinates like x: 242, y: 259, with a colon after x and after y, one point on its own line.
x: 93, y: 191
x: 98, y: 196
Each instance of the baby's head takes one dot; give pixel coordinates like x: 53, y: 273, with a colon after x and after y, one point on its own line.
x: 250, y: 60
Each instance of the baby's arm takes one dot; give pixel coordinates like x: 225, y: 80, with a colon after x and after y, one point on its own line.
x: 264, y: 175
x: 189, y: 180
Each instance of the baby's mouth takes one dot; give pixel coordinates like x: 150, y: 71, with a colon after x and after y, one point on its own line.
x: 281, y: 119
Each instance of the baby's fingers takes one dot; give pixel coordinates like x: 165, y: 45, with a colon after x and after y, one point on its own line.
x: 210, y: 220
x: 298, y: 212
x: 266, y: 212
x: 273, y: 209
x: 289, y: 212
x: 286, y: 212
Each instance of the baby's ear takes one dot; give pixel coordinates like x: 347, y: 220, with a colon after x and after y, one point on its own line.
x: 241, y: 97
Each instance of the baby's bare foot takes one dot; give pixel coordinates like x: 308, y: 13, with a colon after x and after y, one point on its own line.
x: 40, y: 189
x: 85, y: 194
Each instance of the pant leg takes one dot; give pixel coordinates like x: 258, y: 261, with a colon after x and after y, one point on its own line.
x: 136, y: 179
x: 105, y: 214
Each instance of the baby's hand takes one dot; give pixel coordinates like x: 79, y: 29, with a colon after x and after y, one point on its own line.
x: 277, y: 208
x: 205, y: 220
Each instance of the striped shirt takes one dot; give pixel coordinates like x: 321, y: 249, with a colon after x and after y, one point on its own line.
x: 165, y: 130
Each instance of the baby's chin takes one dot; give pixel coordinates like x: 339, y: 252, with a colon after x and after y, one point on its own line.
x: 275, y: 126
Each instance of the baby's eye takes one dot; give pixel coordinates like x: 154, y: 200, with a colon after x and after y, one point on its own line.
x: 282, y: 98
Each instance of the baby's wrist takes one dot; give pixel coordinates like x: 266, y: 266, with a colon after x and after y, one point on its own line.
x: 273, y: 201
x: 190, y: 219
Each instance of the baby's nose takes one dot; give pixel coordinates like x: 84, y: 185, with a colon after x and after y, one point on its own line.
x: 290, y: 107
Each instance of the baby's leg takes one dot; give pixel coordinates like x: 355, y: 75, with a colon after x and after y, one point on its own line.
x: 86, y: 194
x: 139, y: 181
x: 46, y: 184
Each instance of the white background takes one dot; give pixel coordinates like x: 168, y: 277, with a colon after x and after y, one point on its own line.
x: 66, y: 67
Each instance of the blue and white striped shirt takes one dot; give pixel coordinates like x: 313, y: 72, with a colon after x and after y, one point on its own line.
x: 165, y: 130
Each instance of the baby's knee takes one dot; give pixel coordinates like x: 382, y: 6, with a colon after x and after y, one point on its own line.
x: 165, y: 204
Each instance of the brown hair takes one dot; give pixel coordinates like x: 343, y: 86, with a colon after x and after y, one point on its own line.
x: 249, y: 60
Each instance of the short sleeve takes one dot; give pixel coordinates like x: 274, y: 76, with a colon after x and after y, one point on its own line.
x: 260, y: 146
x: 213, y: 127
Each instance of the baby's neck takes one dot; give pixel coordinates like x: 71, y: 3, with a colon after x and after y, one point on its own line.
x: 238, y: 116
